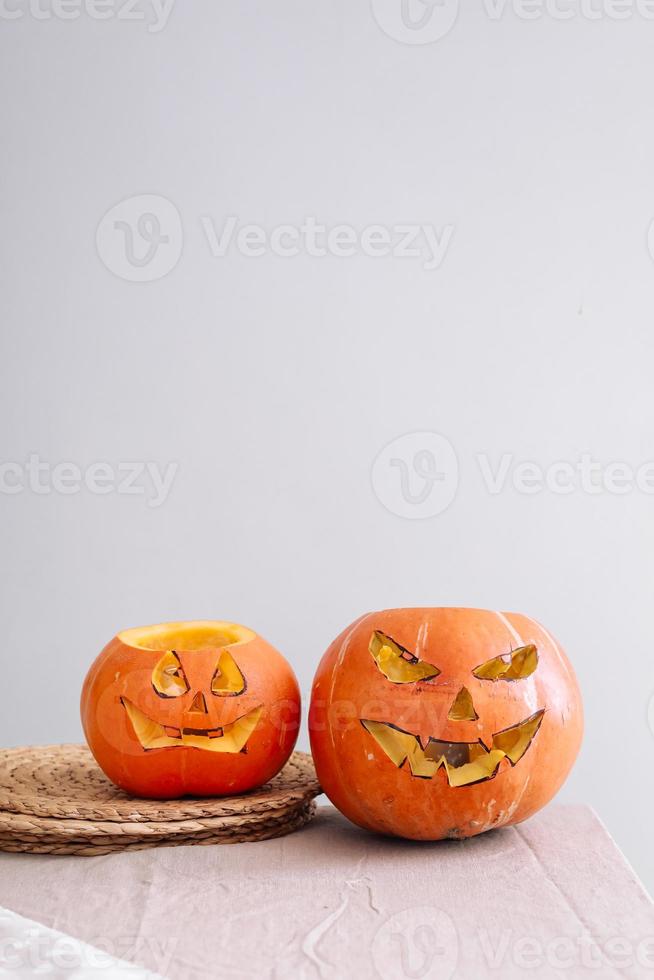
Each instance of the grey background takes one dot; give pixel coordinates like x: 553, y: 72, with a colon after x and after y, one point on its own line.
x: 274, y: 383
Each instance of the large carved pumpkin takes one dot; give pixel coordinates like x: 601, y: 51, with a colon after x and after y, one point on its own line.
x: 443, y: 723
x: 202, y: 708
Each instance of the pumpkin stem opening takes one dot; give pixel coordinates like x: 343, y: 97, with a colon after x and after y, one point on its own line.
x: 194, y: 635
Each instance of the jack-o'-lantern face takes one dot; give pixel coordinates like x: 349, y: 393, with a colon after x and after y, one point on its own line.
x: 197, y: 724
x: 200, y: 708
x: 464, y: 762
x: 431, y: 723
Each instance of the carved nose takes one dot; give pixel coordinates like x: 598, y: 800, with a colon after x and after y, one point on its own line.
x: 462, y: 707
x: 199, y: 705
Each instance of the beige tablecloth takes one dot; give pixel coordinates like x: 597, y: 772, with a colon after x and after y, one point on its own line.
x: 550, y: 898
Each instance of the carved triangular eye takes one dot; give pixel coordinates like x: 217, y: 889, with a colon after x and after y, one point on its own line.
x: 168, y: 677
x: 228, y: 680
x: 396, y: 663
x: 517, y: 665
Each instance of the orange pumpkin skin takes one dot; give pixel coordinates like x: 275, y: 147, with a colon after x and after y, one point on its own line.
x: 123, y: 675
x: 383, y: 795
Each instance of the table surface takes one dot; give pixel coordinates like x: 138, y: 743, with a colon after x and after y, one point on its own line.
x: 552, y: 897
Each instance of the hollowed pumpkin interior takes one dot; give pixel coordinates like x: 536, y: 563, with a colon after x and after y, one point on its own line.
x: 396, y: 663
x: 517, y: 665
x: 197, y: 635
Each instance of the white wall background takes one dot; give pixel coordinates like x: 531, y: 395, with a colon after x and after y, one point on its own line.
x: 274, y: 382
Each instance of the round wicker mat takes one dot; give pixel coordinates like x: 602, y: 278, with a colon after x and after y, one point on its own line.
x: 54, y: 799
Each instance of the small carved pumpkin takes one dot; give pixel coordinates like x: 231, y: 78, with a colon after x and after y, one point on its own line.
x: 437, y: 723
x: 202, y: 708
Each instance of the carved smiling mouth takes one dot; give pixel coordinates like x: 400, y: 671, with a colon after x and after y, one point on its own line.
x: 464, y: 762
x: 229, y: 738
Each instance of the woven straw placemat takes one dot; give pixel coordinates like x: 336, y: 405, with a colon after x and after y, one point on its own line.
x: 54, y: 799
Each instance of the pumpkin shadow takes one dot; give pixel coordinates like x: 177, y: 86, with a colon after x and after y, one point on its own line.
x: 337, y: 836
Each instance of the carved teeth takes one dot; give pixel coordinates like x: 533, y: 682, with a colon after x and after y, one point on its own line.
x: 464, y: 762
x: 229, y: 738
